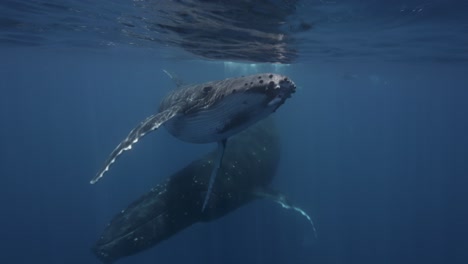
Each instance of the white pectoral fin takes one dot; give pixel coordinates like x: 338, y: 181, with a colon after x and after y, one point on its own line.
x: 149, y: 124
x: 214, y: 172
x: 281, y: 199
x: 177, y: 81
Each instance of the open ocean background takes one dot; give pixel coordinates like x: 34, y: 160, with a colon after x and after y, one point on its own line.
x: 374, y: 143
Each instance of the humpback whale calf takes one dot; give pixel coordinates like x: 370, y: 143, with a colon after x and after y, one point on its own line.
x: 211, y: 112
x: 249, y: 166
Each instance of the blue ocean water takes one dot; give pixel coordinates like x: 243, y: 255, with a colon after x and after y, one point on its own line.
x: 374, y: 143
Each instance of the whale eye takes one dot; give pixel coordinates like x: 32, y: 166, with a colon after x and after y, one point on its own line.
x: 207, y: 89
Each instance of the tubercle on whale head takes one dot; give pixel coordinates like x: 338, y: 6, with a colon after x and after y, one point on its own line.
x: 279, y: 89
x: 275, y: 88
x: 270, y: 84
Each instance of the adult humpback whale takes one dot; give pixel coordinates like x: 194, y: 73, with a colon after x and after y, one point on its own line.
x: 212, y: 112
x: 248, y: 168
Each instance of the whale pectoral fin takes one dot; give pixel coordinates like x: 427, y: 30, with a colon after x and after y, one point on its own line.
x: 281, y: 199
x: 214, y: 172
x: 149, y: 124
x: 177, y: 81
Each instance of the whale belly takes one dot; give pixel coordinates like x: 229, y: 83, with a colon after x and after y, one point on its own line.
x: 219, y: 121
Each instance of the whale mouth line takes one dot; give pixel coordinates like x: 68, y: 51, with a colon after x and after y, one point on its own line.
x: 276, y: 100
